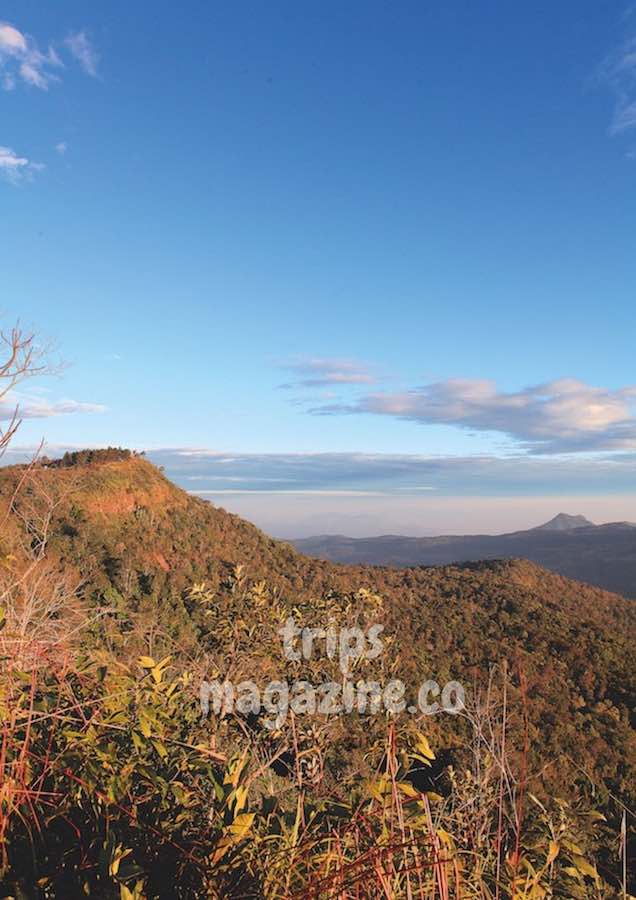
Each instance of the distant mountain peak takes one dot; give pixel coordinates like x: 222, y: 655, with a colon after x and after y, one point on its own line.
x: 564, y: 522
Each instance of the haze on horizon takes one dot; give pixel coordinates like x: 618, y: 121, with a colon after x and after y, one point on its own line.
x: 356, y: 269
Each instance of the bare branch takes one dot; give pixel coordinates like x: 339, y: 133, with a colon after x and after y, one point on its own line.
x: 21, y: 357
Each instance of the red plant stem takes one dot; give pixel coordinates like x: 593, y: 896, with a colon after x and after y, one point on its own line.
x: 501, y: 780
x: 523, y: 779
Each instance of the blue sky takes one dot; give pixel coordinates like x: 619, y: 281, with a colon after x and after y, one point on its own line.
x: 389, y: 231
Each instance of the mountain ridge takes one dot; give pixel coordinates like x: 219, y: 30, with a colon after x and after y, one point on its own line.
x: 602, y: 555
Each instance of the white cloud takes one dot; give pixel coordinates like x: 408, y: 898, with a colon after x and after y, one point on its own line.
x: 16, y: 168
x: 32, y: 406
x: 11, y: 40
x: 10, y: 161
x: 561, y: 416
x: 61, y: 148
x: 83, y: 51
x: 22, y: 60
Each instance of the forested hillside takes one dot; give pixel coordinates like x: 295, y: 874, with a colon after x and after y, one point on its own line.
x: 106, y: 563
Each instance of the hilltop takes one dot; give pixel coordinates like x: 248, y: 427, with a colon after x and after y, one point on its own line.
x: 565, y: 522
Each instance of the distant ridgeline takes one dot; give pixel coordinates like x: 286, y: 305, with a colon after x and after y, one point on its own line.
x: 604, y: 555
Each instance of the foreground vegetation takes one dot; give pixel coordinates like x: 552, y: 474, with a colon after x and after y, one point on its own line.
x: 113, y: 787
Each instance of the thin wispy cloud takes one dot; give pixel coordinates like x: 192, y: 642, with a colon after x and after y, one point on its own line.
x: 315, y: 372
x: 561, y: 416
x: 33, y: 406
x: 210, y: 472
x: 23, y: 61
x: 300, y: 494
x: 83, y: 51
x: 15, y: 168
x: 619, y: 72
x: 293, y: 492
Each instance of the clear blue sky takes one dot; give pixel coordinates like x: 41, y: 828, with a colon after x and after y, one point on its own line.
x: 408, y: 214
